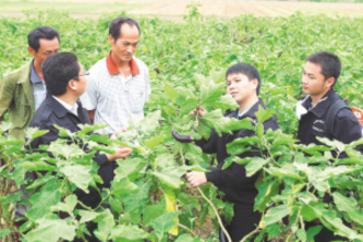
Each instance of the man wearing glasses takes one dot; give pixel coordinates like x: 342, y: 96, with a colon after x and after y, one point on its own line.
x: 23, y: 90
x: 118, y: 85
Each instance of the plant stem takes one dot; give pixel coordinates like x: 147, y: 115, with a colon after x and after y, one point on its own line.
x: 187, y: 229
x: 255, y: 231
x: 216, y: 212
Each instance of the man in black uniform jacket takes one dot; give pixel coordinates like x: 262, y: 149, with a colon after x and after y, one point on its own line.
x: 65, y: 81
x: 243, y: 84
x: 320, y: 73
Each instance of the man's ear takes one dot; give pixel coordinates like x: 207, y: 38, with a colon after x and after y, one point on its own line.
x: 31, y: 51
x: 330, y: 82
x: 110, y: 39
x: 72, y: 85
x: 255, y: 83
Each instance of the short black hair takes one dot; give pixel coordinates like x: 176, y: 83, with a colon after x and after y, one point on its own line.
x: 58, y: 70
x: 115, y: 26
x: 41, y: 33
x: 248, y: 70
x: 329, y: 62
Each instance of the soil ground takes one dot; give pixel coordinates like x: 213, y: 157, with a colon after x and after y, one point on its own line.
x: 177, y: 8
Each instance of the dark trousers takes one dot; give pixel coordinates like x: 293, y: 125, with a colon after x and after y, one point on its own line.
x: 243, y: 222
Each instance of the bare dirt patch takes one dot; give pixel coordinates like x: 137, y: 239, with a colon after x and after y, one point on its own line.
x: 177, y: 8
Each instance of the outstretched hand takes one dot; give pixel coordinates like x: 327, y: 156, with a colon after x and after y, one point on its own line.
x: 121, y: 152
x: 196, y: 178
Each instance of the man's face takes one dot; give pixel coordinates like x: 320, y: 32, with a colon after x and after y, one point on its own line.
x: 81, y: 84
x: 46, y: 49
x: 125, y: 46
x: 240, y: 87
x: 314, y: 82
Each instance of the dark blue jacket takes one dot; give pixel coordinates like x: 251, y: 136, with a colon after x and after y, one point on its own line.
x: 312, y: 124
x: 51, y: 112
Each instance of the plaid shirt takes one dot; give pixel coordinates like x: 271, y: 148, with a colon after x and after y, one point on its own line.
x: 118, y: 100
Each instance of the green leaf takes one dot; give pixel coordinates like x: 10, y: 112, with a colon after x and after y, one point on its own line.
x: 87, y: 216
x: 33, y: 133
x: 255, y: 165
x: 312, y: 232
x: 51, y: 230
x: 43, y: 200
x: 151, y: 212
x: 274, y: 215
x: 241, y: 145
x: 210, y: 92
x: 79, y: 175
x: 4, y: 233
x: 123, y: 188
x: 308, y: 213
x: 171, y: 176
x: 265, y: 191
x: 37, y: 166
x: 226, y: 102
x: 263, y: 115
x: 105, y: 223
x: 187, y: 238
x: 69, y: 204
x: 130, y: 232
x: 350, y: 206
x: 126, y: 167
x: 163, y: 224
x: 68, y: 151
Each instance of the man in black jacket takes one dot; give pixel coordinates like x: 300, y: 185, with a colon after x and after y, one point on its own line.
x: 243, y: 84
x: 320, y: 74
x: 65, y: 82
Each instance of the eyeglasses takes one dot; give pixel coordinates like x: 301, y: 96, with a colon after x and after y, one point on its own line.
x: 85, y: 74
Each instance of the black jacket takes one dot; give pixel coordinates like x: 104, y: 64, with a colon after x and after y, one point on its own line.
x: 51, y: 112
x: 233, y: 181
x: 312, y: 124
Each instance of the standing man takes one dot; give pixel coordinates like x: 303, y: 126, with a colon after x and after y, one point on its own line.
x: 118, y: 85
x: 243, y: 84
x: 320, y: 73
x: 66, y: 82
x: 23, y: 90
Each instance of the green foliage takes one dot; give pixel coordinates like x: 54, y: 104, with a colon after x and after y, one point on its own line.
x: 148, y: 198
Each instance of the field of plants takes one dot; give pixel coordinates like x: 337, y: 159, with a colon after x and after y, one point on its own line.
x: 149, y: 198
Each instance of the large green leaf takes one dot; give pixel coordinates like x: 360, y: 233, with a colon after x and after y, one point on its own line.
x: 350, y: 206
x: 130, y: 232
x: 274, y: 215
x: 79, y: 175
x: 51, y: 230
x: 106, y: 224
x: 255, y: 165
x: 68, y: 205
x: 44, y: 199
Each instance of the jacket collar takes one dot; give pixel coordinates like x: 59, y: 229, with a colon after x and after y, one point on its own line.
x: 321, y: 108
x: 60, y: 111
x: 251, y: 113
x: 24, y: 80
x: 25, y: 73
x: 113, y: 69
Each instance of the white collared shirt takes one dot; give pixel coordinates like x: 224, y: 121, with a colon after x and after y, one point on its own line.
x: 73, y: 109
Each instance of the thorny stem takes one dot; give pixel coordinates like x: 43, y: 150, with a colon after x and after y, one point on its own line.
x: 216, y: 212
